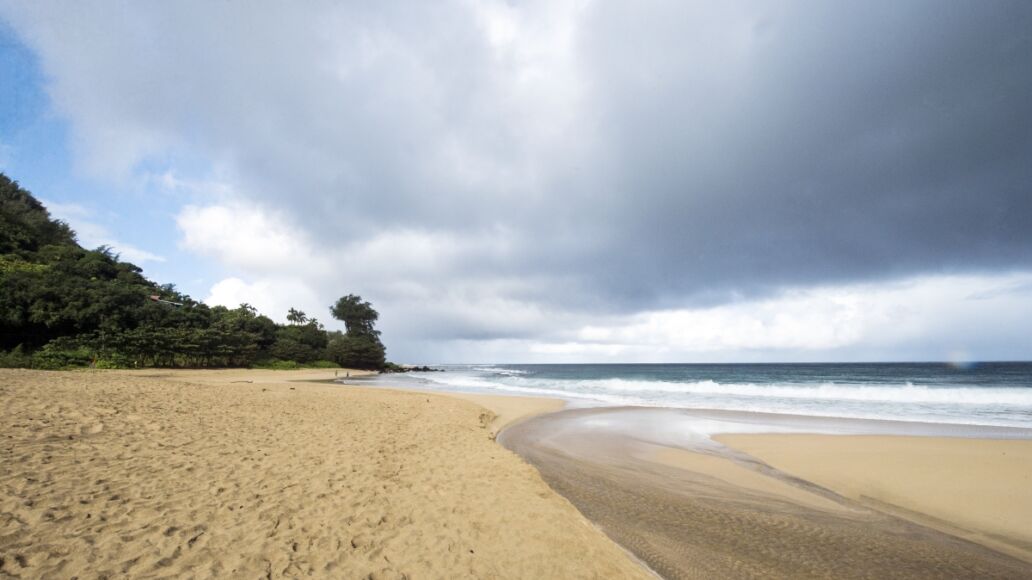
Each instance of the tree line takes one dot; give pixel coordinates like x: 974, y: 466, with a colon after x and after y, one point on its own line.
x: 62, y: 305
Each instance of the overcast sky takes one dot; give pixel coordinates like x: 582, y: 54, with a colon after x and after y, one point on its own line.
x: 553, y: 181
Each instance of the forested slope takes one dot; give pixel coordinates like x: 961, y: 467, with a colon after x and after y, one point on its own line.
x: 63, y: 305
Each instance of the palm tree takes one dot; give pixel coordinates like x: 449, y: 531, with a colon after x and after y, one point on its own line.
x: 296, y: 316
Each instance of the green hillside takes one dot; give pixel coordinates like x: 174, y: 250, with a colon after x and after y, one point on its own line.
x: 62, y: 305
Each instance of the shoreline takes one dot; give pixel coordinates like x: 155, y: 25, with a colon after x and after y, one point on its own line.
x: 190, y: 459
x: 755, y: 456
x: 761, y: 450
x: 507, y: 409
x: 677, y: 488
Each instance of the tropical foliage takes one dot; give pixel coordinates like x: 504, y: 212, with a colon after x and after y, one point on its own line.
x: 63, y: 306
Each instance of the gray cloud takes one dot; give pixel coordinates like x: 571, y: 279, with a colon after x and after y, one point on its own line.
x: 624, y: 157
x: 855, y: 143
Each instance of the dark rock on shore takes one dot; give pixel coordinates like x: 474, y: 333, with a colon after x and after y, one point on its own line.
x: 411, y: 369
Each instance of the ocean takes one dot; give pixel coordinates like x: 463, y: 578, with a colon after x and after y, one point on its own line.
x: 993, y: 394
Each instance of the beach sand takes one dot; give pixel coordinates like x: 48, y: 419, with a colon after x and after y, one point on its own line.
x: 263, y: 474
x: 977, y: 489
x: 707, y: 511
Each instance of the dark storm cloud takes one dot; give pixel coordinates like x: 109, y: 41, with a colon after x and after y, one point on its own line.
x: 625, y: 156
x: 876, y: 140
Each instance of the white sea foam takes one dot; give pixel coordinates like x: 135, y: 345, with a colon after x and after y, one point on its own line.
x: 460, y: 382
x: 1003, y: 406
x: 903, y: 393
x: 500, y: 371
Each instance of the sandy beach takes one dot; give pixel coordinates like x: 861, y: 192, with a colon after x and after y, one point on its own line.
x: 278, y: 474
x: 262, y: 474
x: 978, y: 489
x: 789, y: 505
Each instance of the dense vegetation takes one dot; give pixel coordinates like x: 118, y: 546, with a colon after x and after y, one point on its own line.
x: 62, y: 305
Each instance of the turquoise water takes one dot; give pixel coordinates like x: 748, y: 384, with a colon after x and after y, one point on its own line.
x: 981, y: 394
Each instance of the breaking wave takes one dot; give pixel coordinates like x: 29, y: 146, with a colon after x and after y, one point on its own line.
x: 993, y: 404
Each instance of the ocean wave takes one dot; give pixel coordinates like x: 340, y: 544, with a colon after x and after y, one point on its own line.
x: 995, y: 405
x: 500, y: 371
x: 468, y: 382
x: 889, y: 393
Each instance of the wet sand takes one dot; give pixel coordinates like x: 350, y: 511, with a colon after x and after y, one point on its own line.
x: 691, y: 507
x: 973, y: 488
x: 261, y: 474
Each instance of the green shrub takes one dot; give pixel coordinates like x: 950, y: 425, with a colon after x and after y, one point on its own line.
x: 49, y: 358
x: 15, y: 359
x: 114, y: 361
x: 276, y: 365
x: 357, y: 351
x: 10, y: 263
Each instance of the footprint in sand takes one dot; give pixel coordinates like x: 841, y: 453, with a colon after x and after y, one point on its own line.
x: 91, y: 429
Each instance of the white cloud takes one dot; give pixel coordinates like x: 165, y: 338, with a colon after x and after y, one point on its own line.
x: 92, y: 234
x: 133, y: 254
x: 930, y: 316
x: 805, y: 320
x: 248, y: 238
x: 936, y: 316
x: 279, y: 266
x: 272, y: 297
x: 498, y: 175
x: 212, y: 187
